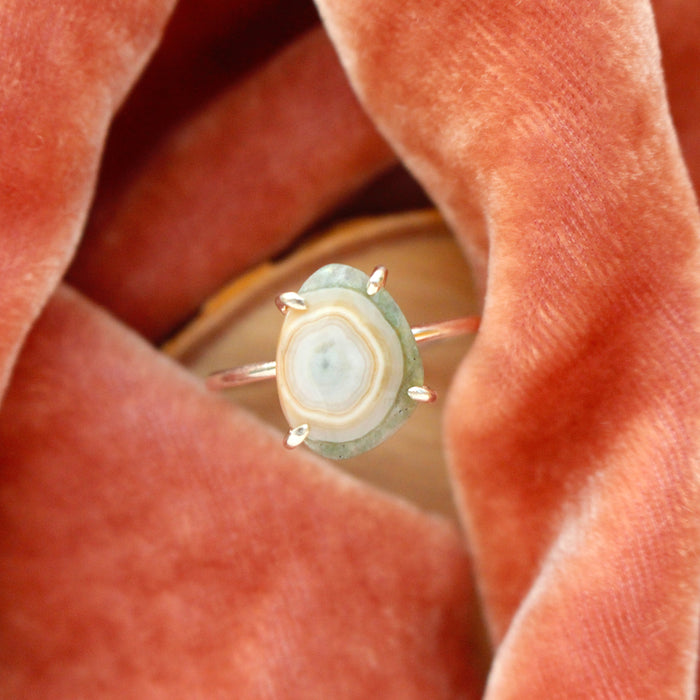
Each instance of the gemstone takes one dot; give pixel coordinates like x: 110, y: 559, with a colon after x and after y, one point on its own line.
x: 345, y: 364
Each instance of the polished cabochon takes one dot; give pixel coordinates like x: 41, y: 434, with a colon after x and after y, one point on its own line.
x: 345, y: 363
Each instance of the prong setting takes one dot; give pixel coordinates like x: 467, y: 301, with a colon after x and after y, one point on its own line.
x: 349, y: 341
x: 377, y: 280
x: 422, y: 394
x: 290, y: 300
x: 296, y: 436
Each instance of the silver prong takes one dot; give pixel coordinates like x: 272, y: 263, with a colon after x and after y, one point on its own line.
x: 377, y: 280
x: 422, y: 394
x: 296, y: 436
x: 290, y: 300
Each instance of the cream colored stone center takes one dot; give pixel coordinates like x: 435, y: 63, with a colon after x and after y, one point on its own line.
x: 339, y: 365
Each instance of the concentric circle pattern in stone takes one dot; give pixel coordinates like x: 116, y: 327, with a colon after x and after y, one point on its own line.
x: 345, y: 364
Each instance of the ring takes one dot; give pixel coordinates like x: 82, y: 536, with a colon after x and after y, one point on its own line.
x: 348, y: 368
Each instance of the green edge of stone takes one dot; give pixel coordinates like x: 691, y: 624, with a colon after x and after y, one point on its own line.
x: 346, y: 277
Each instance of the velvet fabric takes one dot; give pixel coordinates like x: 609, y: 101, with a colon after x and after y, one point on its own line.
x: 157, y: 542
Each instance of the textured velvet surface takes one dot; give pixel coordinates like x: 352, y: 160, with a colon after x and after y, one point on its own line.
x: 573, y: 423
x: 229, y: 186
x: 156, y: 542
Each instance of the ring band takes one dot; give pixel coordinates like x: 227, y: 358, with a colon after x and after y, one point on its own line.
x: 348, y: 368
x: 259, y: 371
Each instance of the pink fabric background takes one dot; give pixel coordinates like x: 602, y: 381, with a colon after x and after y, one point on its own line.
x: 149, y: 551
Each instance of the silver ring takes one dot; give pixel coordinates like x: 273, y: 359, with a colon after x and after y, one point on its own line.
x: 348, y: 368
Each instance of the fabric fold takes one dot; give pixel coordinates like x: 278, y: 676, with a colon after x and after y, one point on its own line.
x: 66, y: 68
x: 229, y: 187
x: 572, y: 425
x: 160, y: 542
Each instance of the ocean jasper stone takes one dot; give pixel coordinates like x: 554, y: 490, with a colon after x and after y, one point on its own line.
x: 345, y: 364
